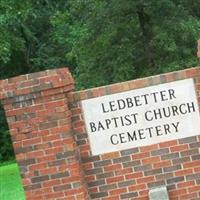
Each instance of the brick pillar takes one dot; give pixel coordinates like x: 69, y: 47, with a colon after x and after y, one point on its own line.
x: 198, y: 48
x: 40, y: 125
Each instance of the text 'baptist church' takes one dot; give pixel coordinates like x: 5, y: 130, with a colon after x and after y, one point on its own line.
x: 142, y: 116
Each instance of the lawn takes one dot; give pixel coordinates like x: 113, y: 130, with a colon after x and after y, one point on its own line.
x: 10, y: 183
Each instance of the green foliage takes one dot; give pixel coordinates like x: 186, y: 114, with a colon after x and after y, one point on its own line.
x: 6, y: 150
x: 111, y: 41
x: 102, y: 42
x: 12, y: 15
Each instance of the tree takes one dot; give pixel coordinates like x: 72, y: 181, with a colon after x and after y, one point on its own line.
x: 101, y: 41
x: 121, y: 40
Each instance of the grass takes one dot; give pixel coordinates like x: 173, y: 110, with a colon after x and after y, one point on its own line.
x: 10, y: 183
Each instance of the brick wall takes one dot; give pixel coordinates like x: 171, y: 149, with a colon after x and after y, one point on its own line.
x: 129, y: 174
x: 40, y: 125
x: 53, y: 152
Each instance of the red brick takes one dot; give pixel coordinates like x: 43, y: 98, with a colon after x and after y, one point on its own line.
x: 191, y: 164
x: 31, y: 141
x: 168, y: 144
x: 197, y: 169
x: 73, y: 191
x: 54, y: 104
x: 54, y: 150
x: 54, y: 195
x: 50, y: 138
x: 28, y: 83
x: 137, y: 187
x: 110, y: 155
x: 134, y: 175
x: 151, y: 160
x: 140, y: 155
x: 188, y: 196
x: 114, y: 179
x: 62, y: 129
x: 115, y: 88
x: 149, y: 148
x: 177, y: 192
x: 20, y: 156
x: 185, y: 184
x: 17, y: 144
x: 123, y: 171
x: 26, y: 181
x: 143, y: 198
x: 48, y: 171
x: 38, y: 166
x: 113, y: 167
x: 93, y: 190
x: 46, y: 158
x: 111, y: 198
x: 192, y: 72
x: 179, y: 148
x: 145, y: 180
x: 144, y: 192
x: 194, y: 189
x: 90, y: 178
x: 76, y: 111
x: 161, y: 164
x: 183, y: 172
x: 118, y: 191
x: 50, y: 183
x: 34, y: 154
x: 85, y: 147
x: 71, y: 179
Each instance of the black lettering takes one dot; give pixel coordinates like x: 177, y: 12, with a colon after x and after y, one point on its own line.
x: 175, y: 110
x: 122, y: 121
x: 166, y: 128
x: 92, y: 127
x: 171, y: 94
x: 137, y: 101
x: 131, y: 137
x: 114, y: 142
x: 176, y: 126
x: 115, y: 121
x: 166, y: 112
x: 112, y: 105
x: 147, y: 117
x: 126, y: 117
x: 145, y: 98
x: 108, y: 122
x: 141, y: 134
x: 149, y: 130
x: 158, y: 130
x: 122, y: 138
x: 182, y: 111
x: 121, y: 104
x: 157, y: 114
x: 154, y: 96
x: 129, y: 102
x: 100, y: 126
x: 163, y: 95
x: 134, y: 117
x: 191, y: 107
x: 103, y: 108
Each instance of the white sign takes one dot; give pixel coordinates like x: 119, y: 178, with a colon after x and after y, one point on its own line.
x: 142, y: 117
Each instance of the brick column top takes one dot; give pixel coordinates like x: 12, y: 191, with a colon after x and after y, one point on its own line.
x: 35, y: 83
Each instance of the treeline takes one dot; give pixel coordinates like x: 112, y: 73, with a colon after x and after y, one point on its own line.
x: 101, y: 41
